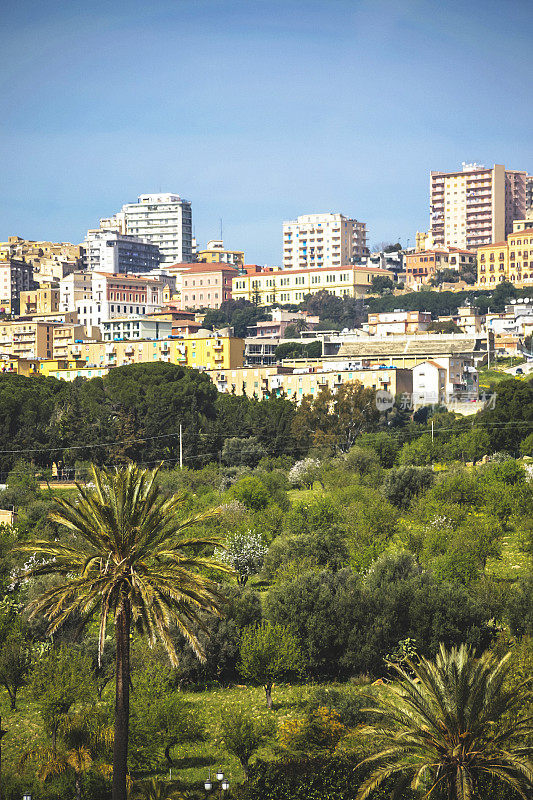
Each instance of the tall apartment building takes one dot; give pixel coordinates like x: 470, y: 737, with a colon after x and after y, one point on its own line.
x: 15, y: 277
x: 475, y: 205
x: 119, y: 253
x: 322, y: 240
x: 163, y: 219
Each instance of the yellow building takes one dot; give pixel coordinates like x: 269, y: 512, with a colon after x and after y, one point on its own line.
x: 215, y: 253
x: 18, y: 366
x: 39, y: 301
x: 27, y: 339
x: 205, y: 351
x: 507, y: 261
x: 291, y: 286
x: 297, y: 383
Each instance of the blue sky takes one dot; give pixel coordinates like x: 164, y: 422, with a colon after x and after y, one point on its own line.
x: 256, y: 111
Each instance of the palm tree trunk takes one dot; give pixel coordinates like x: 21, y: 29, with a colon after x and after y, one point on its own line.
x: 122, y: 702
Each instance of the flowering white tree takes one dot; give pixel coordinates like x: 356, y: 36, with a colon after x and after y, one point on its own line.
x: 304, y: 472
x: 245, y: 552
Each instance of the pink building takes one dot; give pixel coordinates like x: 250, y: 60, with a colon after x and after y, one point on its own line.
x: 206, y: 285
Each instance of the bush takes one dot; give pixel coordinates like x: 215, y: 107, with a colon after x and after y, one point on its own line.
x: 320, y: 729
x: 243, y: 732
x: 402, y: 485
x: 363, y: 459
x: 251, y: 492
x: 347, y: 703
x: 313, y: 548
x: 309, y: 778
x: 385, y: 445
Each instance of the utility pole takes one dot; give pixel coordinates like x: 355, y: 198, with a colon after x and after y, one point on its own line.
x: 181, y: 451
x: 432, y: 431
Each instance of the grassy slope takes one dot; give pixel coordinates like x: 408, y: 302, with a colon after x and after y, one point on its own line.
x: 193, y: 761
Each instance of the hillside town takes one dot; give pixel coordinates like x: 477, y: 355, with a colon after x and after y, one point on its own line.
x: 139, y: 288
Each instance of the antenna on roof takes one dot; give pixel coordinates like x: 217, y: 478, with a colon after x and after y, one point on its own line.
x: 221, y: 237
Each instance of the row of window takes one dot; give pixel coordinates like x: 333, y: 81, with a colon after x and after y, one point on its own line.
x: 299, y: 280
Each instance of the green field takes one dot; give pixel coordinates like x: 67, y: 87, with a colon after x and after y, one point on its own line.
x: 192, y: 761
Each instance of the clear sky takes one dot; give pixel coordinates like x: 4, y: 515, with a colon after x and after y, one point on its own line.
x: 255, y: 110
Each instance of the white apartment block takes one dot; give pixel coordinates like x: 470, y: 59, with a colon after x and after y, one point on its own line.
x: 119, y: 253
x: 163, y: 219
x: 99, y: 296
x: 322, y: 240
x: 476, y: 205
x: 125, y: 328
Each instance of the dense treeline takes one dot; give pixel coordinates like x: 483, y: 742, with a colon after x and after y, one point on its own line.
x: 135, y: 413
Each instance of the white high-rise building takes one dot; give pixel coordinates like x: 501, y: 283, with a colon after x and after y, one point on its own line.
x: 111, y: 251
x: 322, y: 240
x: 163, y: 219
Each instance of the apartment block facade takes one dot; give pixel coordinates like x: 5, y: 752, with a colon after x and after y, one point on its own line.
x: 99, y: 296
x: 110, y: 251
x: 74, y: 287
x: 291, y: 286
x: 322, y: 240
x: 64, y: 336
x: 135, y: 328
x: 27, y: 339
x: 164, y: 219
x: 529, y: 197
x: 40, y: 302
x: 300, y: 382
x: 511, y: 261
x: 206, y: 285
x: 476, y: 205
x: 206, y: 350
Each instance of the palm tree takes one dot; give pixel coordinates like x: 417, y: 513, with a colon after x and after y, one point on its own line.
x: 84, y: 746
x: 447, y: 725
x: 130, y: 557
x: 53, y: 761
